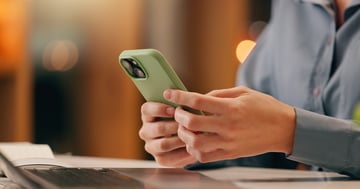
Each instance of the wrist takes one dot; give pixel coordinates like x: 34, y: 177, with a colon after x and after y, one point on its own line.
x: 289, y: 130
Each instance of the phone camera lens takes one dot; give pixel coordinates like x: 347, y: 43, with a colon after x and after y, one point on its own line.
x: 139, y: 73
x: 127, y: 65
x: 133, y: 68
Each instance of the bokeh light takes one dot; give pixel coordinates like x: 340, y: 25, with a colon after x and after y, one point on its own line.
x: 60, y: 55
x: 243, y: 49
x: 256, y: 29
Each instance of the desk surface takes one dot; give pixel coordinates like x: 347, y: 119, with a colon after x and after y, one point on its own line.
x: 243, y: 177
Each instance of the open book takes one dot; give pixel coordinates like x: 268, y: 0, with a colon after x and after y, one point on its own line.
x: 29, y: 154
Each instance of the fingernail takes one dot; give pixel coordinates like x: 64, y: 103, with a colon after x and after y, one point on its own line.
x: 167, y: 94
x: 170, y: 111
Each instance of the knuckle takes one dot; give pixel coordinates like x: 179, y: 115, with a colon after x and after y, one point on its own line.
x: 143, y: 118
x: 163, y: 145
x: 231, y: 136
x: 142, y: 134
x: 148, y: 148
x: 190, y: 122
x: 196, y: 101
x: 161, y: 129
x: 214, y: 92
x: 243, y: 88
x: 235, y: 111
x: 152, y: 109
x: 234, y: 107
x: 144, y: 108
x: 196, y: 143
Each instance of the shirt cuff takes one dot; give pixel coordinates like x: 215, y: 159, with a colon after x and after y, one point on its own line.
x: 322, y: 141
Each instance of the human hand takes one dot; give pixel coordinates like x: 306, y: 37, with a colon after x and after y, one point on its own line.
x: 159, y: 131
x: 241, y: 122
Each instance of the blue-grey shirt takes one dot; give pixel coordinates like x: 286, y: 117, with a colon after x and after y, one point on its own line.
x: 304, y: 60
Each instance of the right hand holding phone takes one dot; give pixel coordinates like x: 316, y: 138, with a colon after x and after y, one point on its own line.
x: 159, y: 131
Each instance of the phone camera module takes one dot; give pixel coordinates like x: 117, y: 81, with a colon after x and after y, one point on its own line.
x: 133, y: 68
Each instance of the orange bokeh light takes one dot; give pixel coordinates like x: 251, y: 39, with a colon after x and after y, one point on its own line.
x: 243, y: 49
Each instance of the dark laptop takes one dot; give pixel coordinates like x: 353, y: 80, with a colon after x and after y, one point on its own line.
x: 45, y: 177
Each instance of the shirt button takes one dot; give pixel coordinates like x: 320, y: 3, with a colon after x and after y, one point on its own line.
x: 316, y: 91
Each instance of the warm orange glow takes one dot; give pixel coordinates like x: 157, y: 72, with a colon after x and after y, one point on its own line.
x: 12, y: 34
x: 243, y: 49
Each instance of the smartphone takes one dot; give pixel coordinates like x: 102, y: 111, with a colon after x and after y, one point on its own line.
x: 151, y: 73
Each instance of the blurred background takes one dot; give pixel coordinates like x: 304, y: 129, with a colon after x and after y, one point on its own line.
x: 60, y: 81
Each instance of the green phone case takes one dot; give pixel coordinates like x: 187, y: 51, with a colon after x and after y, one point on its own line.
x: 159, y: 75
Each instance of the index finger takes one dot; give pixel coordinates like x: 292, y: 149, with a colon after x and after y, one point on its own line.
x: 196, y: 101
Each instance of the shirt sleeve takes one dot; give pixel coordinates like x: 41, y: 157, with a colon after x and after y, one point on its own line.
x: 327, y: 142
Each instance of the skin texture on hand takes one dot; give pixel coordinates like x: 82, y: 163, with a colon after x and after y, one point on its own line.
x: 240, y: 122
x: 160, y: 135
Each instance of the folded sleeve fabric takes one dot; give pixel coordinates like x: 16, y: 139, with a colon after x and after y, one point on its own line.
x: 327, y: 142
